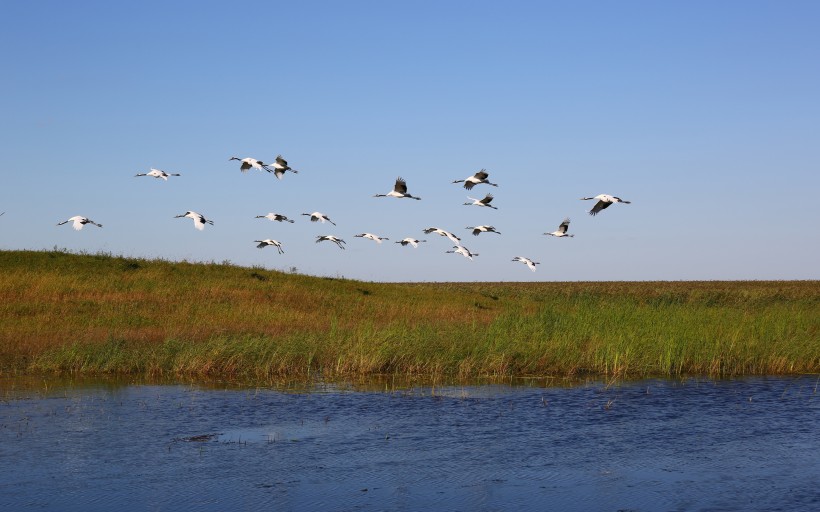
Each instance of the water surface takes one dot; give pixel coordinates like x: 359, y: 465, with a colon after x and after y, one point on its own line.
x: 749, y: 444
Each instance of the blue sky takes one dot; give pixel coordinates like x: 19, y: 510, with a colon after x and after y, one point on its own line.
x: 703, y: 114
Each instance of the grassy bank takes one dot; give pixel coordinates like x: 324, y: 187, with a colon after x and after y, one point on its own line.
x: 63, y: 312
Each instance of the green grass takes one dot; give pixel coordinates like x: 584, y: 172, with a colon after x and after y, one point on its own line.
x: 95, y: 314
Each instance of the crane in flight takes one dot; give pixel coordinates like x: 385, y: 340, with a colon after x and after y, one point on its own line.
x: 275, y: 216
x: 156, y: 173
x: 269, y: 241
x: 562, y: 230
x: 318, y: 216
x: 399, y: 190
x: 477, y: 230
x: 331, y: 238
x: 482, y: 202
x: 199, y: 219
x: 280, y: 167
x: 476, y: 179
x: 78, y: 221
x: 410, y: 241
x: 370, y: 236
x: 526, y: 261
x: 456, y: 240
x: 251, y: 163
x: 460, y: 249
x: 604, y: 200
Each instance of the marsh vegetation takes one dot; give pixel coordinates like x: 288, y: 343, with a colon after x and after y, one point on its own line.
x: 98, y: 313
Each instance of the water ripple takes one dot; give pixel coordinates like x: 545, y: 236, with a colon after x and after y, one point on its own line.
x: 746, y: 444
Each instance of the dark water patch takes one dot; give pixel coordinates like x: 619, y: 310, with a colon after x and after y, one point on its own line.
x: 748, y: 444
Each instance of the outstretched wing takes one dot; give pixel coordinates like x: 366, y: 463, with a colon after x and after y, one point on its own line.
x: 400, y: 186
x: 564, y: 227
x: 600, y: 205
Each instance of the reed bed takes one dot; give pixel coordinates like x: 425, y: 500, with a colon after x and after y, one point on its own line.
x: 98, y: 313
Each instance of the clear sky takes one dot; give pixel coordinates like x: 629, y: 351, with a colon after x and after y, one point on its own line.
x: 706, y: 115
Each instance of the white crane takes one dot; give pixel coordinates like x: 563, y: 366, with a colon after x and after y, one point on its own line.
x: 399, y: 190
x: 280, y: 167
x: 156, y: 173
x: 331, y: 238
x: 370, y: 236
x: 251, y: 163
x: 318, y: 216
x: 476, y: 179
x: 78, y: 221
x: 562, y: 229
x: 482, y: 202
x: 410, y: 241
x: 199, y: 219
x: 275, y: 216
x: 604, y: 200
x: 456, y: 240
x: 483, y: 229
x: 526, y: 261
x: 460, y: 249
x: 269, y: 241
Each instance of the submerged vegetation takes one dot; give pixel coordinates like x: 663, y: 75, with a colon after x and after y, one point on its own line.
x: 92, y: 314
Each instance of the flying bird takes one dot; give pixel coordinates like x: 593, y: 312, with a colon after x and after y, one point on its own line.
x: 410, y: 241
x: 371, y: 236
x: 269, y: 241
x: 528, y: 262
x: 199, y: 219
x: 482, y: 202
x: 456, y: 240
x: 156, y: 173
x: 331, y: 238
x: 604, y: 200
x: 483, y: 229
x: 274, y: 216
x: 562, y: 229
x: 78, y: 221
x: 251, y: 163
x: 399, y: 190
x: 460, y: 249
x: 476, y: 179
x: 315, y: 216
x: 280, y: 167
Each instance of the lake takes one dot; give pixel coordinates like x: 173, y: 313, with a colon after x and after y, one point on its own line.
x: 677, y: 445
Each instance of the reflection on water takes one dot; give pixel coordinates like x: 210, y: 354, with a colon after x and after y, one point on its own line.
x: 749, y: 444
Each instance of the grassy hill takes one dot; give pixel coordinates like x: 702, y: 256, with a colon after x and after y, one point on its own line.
x: 84, y: 313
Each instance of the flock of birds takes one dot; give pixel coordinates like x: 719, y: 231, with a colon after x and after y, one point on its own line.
x: 280, y: 166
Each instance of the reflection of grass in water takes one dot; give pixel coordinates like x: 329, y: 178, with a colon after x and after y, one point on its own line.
x: 90, y: 314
